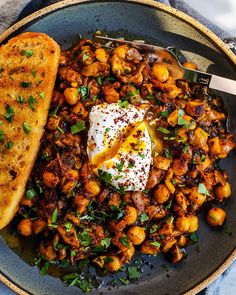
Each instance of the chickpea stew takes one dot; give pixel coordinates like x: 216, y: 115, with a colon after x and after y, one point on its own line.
x: 74, y: 208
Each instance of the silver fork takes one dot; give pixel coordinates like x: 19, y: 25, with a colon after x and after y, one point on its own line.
x: 177, y: 71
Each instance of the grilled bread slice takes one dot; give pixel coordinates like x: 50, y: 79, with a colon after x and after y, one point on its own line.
x: 28, y: 68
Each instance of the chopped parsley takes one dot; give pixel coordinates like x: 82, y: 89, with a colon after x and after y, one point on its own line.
x: 105, y: 242
x: 28, y: 52
x: 163, y: 130
x: 1, y: 69
x: 107, y: 129
x: 44, y: 268
x: 185, y: 148
x: 83, y: 90
x: 228, y: 230
x: 163, y: 114
x: 76, y: 279
x: 194, y: 237
x: 99, y: 80
x: 25, y: 84
x: 123, y: 280
x: 153, y: 228
x: 84, y: 238
x: 133, y: 272
x: 181, y: 120
x: 167, y: 153
x: 9, y: 113
x: 120, y: 166
x: 144, y: 217
x: 124, y: 241
x: 142, y: 156
x: 68, y: 226
x: 202, y: 189
x: 105, y: 176
x: 26, y: 128
x: 123, y: 104
x: 77, y: 127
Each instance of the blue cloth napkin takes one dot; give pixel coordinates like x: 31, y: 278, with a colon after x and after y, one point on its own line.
x: 11, y: 10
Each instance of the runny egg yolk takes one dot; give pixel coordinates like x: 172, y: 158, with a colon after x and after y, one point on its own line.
x: 119, y: 145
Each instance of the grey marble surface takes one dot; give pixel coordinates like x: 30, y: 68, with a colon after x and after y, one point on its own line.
x: 218, y: 15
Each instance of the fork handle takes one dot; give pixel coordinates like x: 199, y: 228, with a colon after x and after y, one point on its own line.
x: 212, y: 81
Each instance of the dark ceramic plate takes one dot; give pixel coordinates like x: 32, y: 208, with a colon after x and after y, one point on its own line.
x: 155, y: 23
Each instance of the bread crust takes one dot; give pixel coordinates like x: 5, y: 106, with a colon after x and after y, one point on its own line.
x: 28, y: 69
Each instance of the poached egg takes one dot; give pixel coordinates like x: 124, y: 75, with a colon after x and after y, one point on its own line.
x: 119, y: 146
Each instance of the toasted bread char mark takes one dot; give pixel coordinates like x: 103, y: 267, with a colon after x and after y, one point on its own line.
x: 28, y: 68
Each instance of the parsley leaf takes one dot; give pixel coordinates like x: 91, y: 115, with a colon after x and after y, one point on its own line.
x: 125, y: 241
x: 77, y: 127
x: 153, y: 228
x: 125, y: 281
x: 163, y: 114
x: 84, y: 238
x: 44, y: 269
x: 133, y: 272
x: 83, y: 90
x: 84, y: 56
x: 144, y: 217
x: 123, y: 104
x: 68, y: 225
x: 105, y: 176
x: 202, y: 189
x: 20, y: 99
x: 106, y: 242
x: 120, y: 166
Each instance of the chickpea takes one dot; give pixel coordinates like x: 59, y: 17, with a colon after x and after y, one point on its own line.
x: 193, y: 220
x: 38, y: 226
x: 101, y: 55
x: 71, y: 95
x: 182, y: 224
x: 120, y: 51
x: 148, y: 248
x: 81, y: 203
x: 160, y: 72
x: 189, y: 65
x: 25, y: 227
x: 161, y: 194
x: 223, y: 191
x: 131, y: 215
x: 129, y: 253
x: 182, y: 241
x: 80, y: 110
x: 47, y: 251
x: 180, y: 167
x: 113, y: 264
x: 216, y: 216
x: 136, y: 234
x: 51, y: 180
x: 92, y: 187
x: 168, y: 245
x: 197, y: 198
